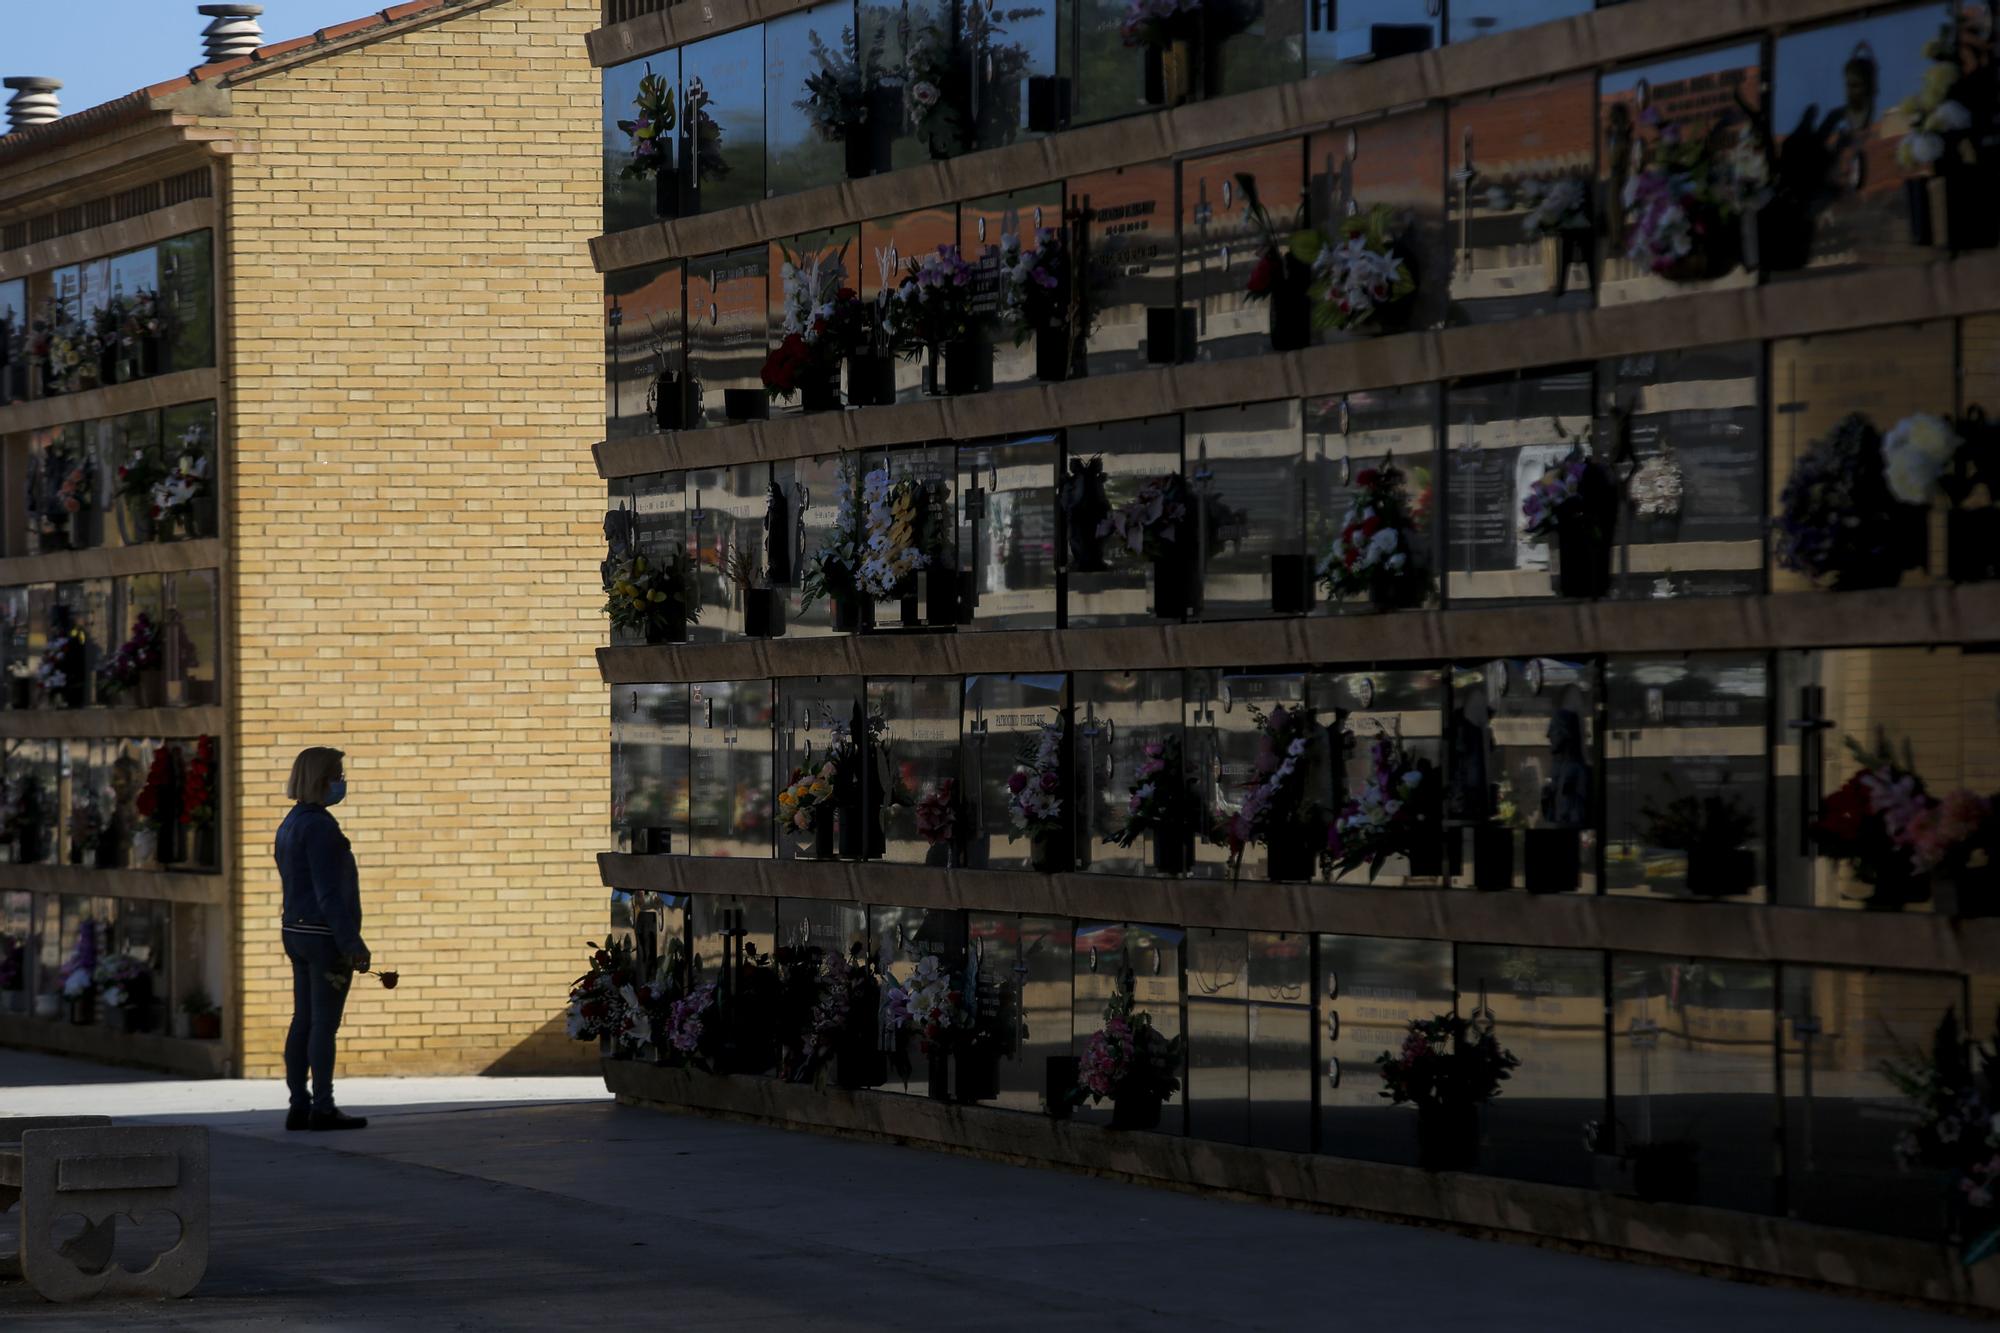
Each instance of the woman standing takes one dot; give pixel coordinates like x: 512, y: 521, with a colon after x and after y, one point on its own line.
x: 322, y: 933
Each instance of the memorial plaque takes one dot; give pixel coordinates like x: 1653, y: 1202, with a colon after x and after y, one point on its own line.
x: 1522, y: 759
x: 925, y: 820
x: 1008, y: 532
x: 1002, y: 721
x: 722, y: 117
x: 1129, y: 255
x: 887, y: 247
x: 727, y: 326
x: 645, y: 351
x: 649, y: 769
x: 799, y: 518
x: 725, y: 509
x: 982, y: 223
x: 1369, y: 990
x: 1547, y: 1007
x: 1119, y: 716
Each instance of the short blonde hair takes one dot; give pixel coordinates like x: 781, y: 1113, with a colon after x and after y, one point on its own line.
x: 312, y: 773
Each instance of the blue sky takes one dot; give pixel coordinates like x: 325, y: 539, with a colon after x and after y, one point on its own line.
x: 103, y: 49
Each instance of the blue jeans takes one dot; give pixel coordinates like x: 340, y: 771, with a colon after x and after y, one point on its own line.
x: 320, y: 982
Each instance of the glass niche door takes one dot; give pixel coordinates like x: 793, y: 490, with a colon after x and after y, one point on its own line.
x: 1008, y: 534
x: 1113, y: 469
x: 923, y: 806
x: 1228, y: 753
x: 1245, y: 465
x: 1128, y: 722
x: 729, y: 768
x: 1003, y: 717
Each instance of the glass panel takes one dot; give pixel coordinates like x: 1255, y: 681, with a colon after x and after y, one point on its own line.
x: 1521, y: 754
x: 1106, y: 75
x: 1261, y: 42
x: 1692, y: 522
x: 729, y: 769
x: 132, y: 438
x: 1002, y: 714
x: 726, y: 325
x: 1843, y: 86
x: 726, y: 508
x: 1246, y: 460
x: 1128, y: 228
x: 1222, y: 244
x: 131, y: 761
x: 1516, y: 155
x: 808, y: 488
x: 1218, y: 1025
x: 816, y: 715
x: 1119, y: 714
x: 649, y: 769
x: 1547, y: 1007
x: 1503, y: 435
x: 1029, y: 959
x: 14, y: 322
x: 193, y: 638
x: 1885, y: 374
x: 1007, y: 46
x: 187, y: 290
x: 1224, y: 740
x: 981, y: 224
x: 1484, y: 18
x: 717, y: 922
x: 1692, y: 94
x: 1350, y: 434
x: 887, y: 247
x: 920, y: 755
x: 930, y: 595
x: 798, y: 158
x: 629, y: 199
x: 1007, y: 531
x: 1340, y: 30
x: 1842, y: 1118
x: 1281, y: 1041
x: 838, y: 251
x: 1696, y: 1088
x: 1688, y: 739
x: 723, y: 108
x: 1407, y: 707
x: 1104, y: 953
x: 1370, y: 991
x: 834, y: 927
x: 188, y: 432
x: 16, y: 929
x: 1110, y: 584
x: 1398, y: 161
x: 645, y: 338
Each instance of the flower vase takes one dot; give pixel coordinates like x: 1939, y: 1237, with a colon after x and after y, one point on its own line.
x: 858, y: 145
x: 107, y: 365
x: 746, y: 405
x: 138, y: 524
x: 1051, y: 852
x: 1291, y: 308
x: 1972, y: 544
x: 1053, y: 361
x: 1447, y: 1137
x: 760, y: 613
x: 1906, y: 546
x: 968, y: 367
x: 207, y: 846
x: 1895, y: 891
x: 1173, y: 851
x: 1289, y: 854
x: 1968, y: 893
x: 172, y: 849
x: 610, y: 1048
x: 1716, y: 256
x: 1135, y: 1111
x: 1583, y: 553
x: 1426, y: 857
x: 939, y: 594
x: 31, y: 845
x: 148, y: 360
x: 669, y: 625
x: 76, y: 690
x: 667, y: 193
x: 1291, y: 584
x: 652, y: 841
x: 939, y: 1067
x: 852, y: 614
x: 1492, y: 858
x: 1720, y: 872
x: 20, y: 692
x: 667, y: 404
x: 81, y: 1009
x: 1777, y: 234
x: 908, y: 597
x: 1559, y: 250
x: 205, y: 1027
x: 857, y: 1063
x: 198, y: 519
x: 862, y: 837
x: 871, y: 381
x: 1553, y: 860
x: 1173, y: 585
x: 150, y: 691
x: 819, y: 393
x: 1060, y: 1076
x: 975, y: 1075
x: 823, y: 843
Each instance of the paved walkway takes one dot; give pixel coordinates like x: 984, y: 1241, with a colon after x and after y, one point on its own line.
x: 537, y: 1203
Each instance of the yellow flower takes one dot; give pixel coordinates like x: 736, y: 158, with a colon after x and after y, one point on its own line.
x: 786, y: 798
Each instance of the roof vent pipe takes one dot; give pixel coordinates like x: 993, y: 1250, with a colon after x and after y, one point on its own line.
x: 33, y: 102
x: 233, y: 31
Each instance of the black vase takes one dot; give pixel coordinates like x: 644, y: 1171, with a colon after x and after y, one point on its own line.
x: 1290, y: 855
x: 1778, y: 235
x: 207, y: 846
x: 819, y: 394
x: 939, y: 1068
x: 20, y: 692
x: 861, y: 835
x: 1291, y: 585
x: 1427, y: 857
x: 1170, y: 334
x: 172, y: 848
x: 1052, y: 354
x: 1553, y: 860
x: 1666, y: 1177
x: 667, y: 193
x: 940, y: 598
x: 1052, y: 853
x: 1894, y: 892
x: 1968, y: 893
x: 857, y: 1063
x: 1173, y: 851
x: 859, y: 150
x: 968, y: 366
x: 652, y: 841
x: 1972, y: 544
x: 1291, y: 308
x: 1447, y: 1137
x: 823, y: 843
x: 1135, y: 1111
x: 1721, y: 872
x: 851, y: 615
x: 107, y: 365
x: 871, y: 381
x: 149, y: 355
x: 1060, y: 1075
x: 669, y: 407
x: 760, y: 613
x: 668, y: 625
x: 1173, y: 585
x: 1583, y: 553
x: 975, y: 1075
x: 1048, y: 103
x: 1492, y: 858
x: 746, y: 405
x: 76, y: 688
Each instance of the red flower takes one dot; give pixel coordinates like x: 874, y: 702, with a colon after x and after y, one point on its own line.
x: 785, y: 364
x: 1847, y: 812
x: 1264, y: 276
x: 1372, y: 526
x: 1365, y: 478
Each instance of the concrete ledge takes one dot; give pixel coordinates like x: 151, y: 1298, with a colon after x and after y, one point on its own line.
x: 203, y: 1059
x: 109, y: 239
x: 1914, y: 942
x: 1835, y: 302
x: 1709, y: 1240
x: 209, y: 888
x: 183, y: 386
x: 104, y: 562
x: 108, y: 723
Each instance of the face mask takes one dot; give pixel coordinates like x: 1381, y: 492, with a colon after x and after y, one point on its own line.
x: 336, y: 792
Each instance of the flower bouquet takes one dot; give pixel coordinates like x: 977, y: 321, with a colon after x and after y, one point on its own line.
x: 136, y: 477
x: 942, y: 1009
x: 1683, y: 208
x: 936, y: 92
x: 1283, y: 274
x: 142, y: 329
x: 1362, y: 278
x: 847, y: 102
x: 891, y: 554
x: 930, y: 314
x: 137, y: 669
x: 1446, y: 1069
x: 1713, y: 830
x: 1158, y: 524
x: 78, y: 976
x: 1559, y: 217
x: 62, y: 673
x: 1894, y: 835
x: 1924, y: 454
x: 609, y: 1003
x: 1951, y: 119
x: 1576, y: 504
x: 1278, y: 809
x: 1839, y: 518
x: 694, y: 1029
x: 158, y: 806
x: 183, y: 498
x: 1955, y: 1094
x: 823, y: 321
x: 1040, y: 299
x: 1398, y: 812
x: 1380, y: 548
x: 124, y: 993
x: 656, y: 598
x: 833, y: 572
x: 937, y: 824
x: 198, y: 811
x: 1035, y: 801
x: 1169, y: 32
x: 61, y: 497
x: 650, y: 141
x: 806, y: 806
x: 1161, y: 804
x: 1131, y: 1063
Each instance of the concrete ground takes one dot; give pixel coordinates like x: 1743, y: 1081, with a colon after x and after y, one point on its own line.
x: 474, y: 1203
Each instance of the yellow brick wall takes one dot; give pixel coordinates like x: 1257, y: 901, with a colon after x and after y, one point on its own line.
x: 414, y: 384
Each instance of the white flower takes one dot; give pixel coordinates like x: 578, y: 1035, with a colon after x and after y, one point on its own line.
x: 1948, y: 118
x: 1919, y: 150
x: 1382, y: 544
x: 1497, y: 198
x: 1413, y: 777
x: 1915, y: 452
x: 924, y: 93
x: 1296, y: 748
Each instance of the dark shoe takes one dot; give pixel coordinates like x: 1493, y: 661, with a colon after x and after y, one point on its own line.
x: 298, y: 1117
x: 325, y: 1120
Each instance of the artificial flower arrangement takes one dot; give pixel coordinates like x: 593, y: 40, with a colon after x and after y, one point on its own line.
x: 1923, y: 455
x: 122, y: 981
x: 1277, y: 809
x: 1041, y: 297
x: 182, y: 487
x: 694, y: 1026
x: 1283, y: 273
x: 1161, y: 803
x: 937, y: 817
x: 609, y: 1003
x: 79, y: 970
x: 1713, y: 831
x: 932, y: 1005
x: 847, y: 1020
x: 198, y: 795
x: 158, y: 806
x: 27, y: 812
x: 1559, y: 217
x: 142, y: 327
x: 123, y: 671
x: 1446, y: 1069
x: 1129, y: 1062
x: 86, y: 825
x: 838, y: 100
x: 806, y: 803
x: 833, y: 572
x: 69, y: 353
x: 1155, y: 523
x: 1574, y: 506
x: 1034, y: 794
x: 935, y: 93
x: 931, y: 310
x: 1840, y: 518
x: 1684, y: 206
x: 1399, y: 811
x: 649, y: 134
x: 135, y: 479
x: 1894, y: 834
x: 1951, y: 118
x: 61, y: 486
x: 61, y: 670
x: 891, y: 552
x: 1362, y: 279
x: 824, y: 321
x: 1379, y: 550
x: 655, y: 597
x: 1955, y: 1093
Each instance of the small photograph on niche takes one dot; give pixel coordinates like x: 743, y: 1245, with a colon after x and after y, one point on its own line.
x: 1519, y: 218
x: 1130, y: 255
x: 1684, y: 431
x: 1393, y: 170
x: 1521, y: 757
x: 1887, y: 111
x: 1510, y: 441
x: 1009, y: 532
x: 1352, y: 31
x: 726, y: 315
x: 1239, y: 211
x: 1022, y: 239
x: 1244, y: 468
x: 1371, y: 450
x: 1660, y: 127
x: 647, y: 388
x: 896, y: 250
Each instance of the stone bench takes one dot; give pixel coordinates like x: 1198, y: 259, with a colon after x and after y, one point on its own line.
x: 62, y: 1166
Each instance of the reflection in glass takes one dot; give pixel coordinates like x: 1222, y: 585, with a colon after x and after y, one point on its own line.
x: 1110, y: 583
x: 901, y: 937
x: 1028, y: 961
x: 649, y: 768
x: 187, y: 295
x: 1687, y: 745
x: 1405, y: 707
x: 1119, y: 714
x: 722, y: 110
x: 1398, y: 161
x: 726, y: 320
x: 981, y: 224
x: 1503, y: 434
x: 920, y: 716
x: 1002, y: 715
x: 729, y: 769
x: 725, y: 518
x: 1345, y: 436
x: 1147, y: 958
x: 1547, y: 1007
x: 16, y: 913
x: 799, y: 514
x: 1485, y: 18
x: 888, y: 245
x: 1132, y: 250
x: 193, y: 638
x: 1521, y: 750
x: 1218, y: 1030
x: 1246, y: 461
x: 1221, y: 244
x: 820, y: 721
x: 628, y: 201
x: 1007, y: 532
x: 1514, y: 154
x: 1369, y: 991
x: 798, y: 158
x: 645, y: 341
x: 1104, y: 73
x: 1223, y: 738
x: 1696, y: 1094
x: 1369, y: 29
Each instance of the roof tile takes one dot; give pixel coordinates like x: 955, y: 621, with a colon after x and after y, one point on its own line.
x: 394, y: 12
x: 276, y: 49
x: 204, y: 73
x: 347, y: 29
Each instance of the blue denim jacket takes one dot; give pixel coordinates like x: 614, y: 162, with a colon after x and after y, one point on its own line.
x: 322, y: 887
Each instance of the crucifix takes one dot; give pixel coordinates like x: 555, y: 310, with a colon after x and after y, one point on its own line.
x: 1463, y: 177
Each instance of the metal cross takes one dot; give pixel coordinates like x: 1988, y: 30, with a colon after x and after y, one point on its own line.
x: 1464, y: 178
